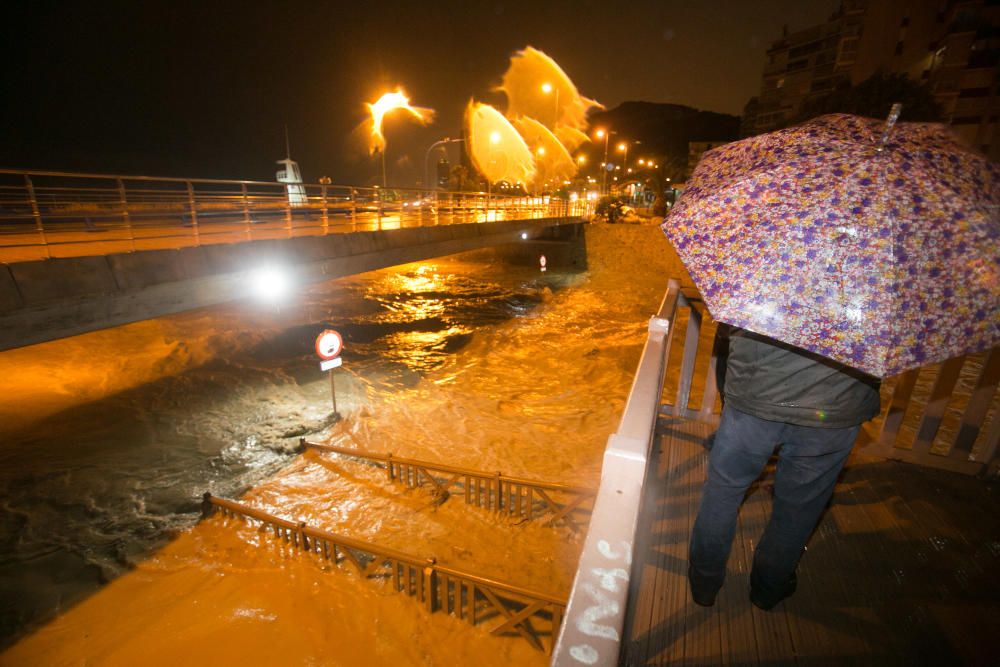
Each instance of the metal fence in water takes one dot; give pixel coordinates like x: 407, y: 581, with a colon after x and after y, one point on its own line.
x: 532, y: 615
x: 503, y: 494
x: 55, y: 214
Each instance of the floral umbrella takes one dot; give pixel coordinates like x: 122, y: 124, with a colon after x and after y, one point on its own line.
x: 874, y: 245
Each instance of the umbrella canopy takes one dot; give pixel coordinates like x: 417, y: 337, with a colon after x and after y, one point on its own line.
x: 879, y: 250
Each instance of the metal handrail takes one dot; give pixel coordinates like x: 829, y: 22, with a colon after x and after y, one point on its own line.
x: 437, y: 587
x: 493, y: 490
x: 132, y: 213
x: 595, y: 614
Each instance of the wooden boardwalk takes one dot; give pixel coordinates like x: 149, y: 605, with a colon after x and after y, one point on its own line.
x: 904, y: 569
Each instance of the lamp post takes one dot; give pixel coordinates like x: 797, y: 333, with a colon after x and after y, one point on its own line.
x: 623, y: 148
x: 547, y: 89
x: 605, y: 134
x: 494, y: 140
x: 427, y: 156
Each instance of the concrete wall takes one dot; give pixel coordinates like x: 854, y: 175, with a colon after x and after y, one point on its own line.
x: 54, y: 298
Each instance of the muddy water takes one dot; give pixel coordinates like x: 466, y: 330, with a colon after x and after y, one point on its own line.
x: 109, y: 439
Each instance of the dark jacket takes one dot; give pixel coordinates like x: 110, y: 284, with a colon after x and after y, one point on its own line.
x: 774, y: 381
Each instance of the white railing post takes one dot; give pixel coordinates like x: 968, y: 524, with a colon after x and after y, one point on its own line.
x: 378, y: 197
x: 326, y: 219
x: 288, y: 212
x: 246, y: 211
x: 36, y: 213
x: 354, y: 209
x: 123, y: 202
x: 193, y: 210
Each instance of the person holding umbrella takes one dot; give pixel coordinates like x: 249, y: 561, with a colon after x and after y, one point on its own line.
x: 813, y: 407
x: 844, y: 250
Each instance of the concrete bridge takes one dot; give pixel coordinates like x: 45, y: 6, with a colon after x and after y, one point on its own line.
x: 83, y: 252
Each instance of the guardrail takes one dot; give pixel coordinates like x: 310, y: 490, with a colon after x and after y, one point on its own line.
x: 595, y: 615
x: 47, y: 214
x: 504, y: 494
x: 468, y: 596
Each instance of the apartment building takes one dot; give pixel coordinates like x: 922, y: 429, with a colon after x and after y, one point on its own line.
x: 953, y: 46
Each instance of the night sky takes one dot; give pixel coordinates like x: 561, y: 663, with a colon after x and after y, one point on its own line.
x: 205, y: 89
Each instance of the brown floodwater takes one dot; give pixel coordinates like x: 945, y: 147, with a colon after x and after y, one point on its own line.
x: 109, y: 440
x: 463, y: 361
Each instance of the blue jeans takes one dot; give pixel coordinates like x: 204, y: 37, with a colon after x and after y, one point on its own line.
x: 810, y: 460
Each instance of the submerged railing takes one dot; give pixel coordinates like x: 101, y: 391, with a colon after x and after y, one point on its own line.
x: 49, y: 214
x: 467, y: 596
x: 594, y: 625
x: 504, y: 494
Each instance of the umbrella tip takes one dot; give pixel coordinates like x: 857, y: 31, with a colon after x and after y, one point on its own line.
x: 889, y: 123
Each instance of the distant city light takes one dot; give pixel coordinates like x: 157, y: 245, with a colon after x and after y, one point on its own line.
x: 524, y: 235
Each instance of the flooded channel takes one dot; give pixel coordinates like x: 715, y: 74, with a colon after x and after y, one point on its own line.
x: 109, y: 440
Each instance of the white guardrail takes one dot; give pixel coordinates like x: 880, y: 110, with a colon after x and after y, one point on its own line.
x: 593, y: 625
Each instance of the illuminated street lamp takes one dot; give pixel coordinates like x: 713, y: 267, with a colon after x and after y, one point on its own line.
x: 604, y: 134
x: 547, y: 90
x: 494, y: 140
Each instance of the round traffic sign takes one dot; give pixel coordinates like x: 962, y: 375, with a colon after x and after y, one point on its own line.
x: 329, y: 344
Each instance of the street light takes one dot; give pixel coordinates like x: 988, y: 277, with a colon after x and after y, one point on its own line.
x: 427, y: 156
x: 604, y: 134
x: 494, y: 140
x: 623, y: 148
x: 547, y: 90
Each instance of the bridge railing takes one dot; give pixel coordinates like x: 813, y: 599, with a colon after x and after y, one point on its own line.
x: 56, y: 214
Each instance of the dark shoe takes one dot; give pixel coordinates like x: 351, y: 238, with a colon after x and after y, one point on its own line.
x: 703, y: 591
x: 767, y: 600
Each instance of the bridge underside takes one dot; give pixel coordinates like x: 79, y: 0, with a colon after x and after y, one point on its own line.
x: 56, y: 298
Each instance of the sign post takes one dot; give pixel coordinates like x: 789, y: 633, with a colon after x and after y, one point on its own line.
x: 329, y: 345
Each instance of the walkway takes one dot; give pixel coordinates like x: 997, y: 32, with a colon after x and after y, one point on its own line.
x: 902, y: 570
